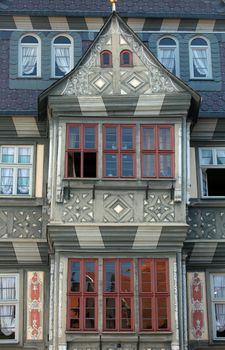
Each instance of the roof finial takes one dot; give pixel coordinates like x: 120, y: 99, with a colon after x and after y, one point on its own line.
x: 113, y: 2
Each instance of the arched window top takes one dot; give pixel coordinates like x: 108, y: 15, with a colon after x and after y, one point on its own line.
x: 126, y: 58
x: 29, y: 39
x: 199, y: 42
x: 62, y: 40
x: 167, y: 42
x: 29, y: 56
x: 200, y: 58
x: 168, y: 54
x: 62, y: 55
x: 106, y: 58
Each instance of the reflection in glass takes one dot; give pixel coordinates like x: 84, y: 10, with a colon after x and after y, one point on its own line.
x: 110, y: 276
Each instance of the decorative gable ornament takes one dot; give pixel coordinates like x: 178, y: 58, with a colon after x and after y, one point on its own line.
x: 89, y: 79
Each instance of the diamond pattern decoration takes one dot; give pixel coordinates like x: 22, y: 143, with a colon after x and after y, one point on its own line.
x: 118, y: 208
x: 134, y: 82
x: 159, y: 208
x: 79, y: 208
x: 100, y: 83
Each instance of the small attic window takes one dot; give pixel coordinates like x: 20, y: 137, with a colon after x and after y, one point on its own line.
x: 106, y: 58
x: 126, y: 58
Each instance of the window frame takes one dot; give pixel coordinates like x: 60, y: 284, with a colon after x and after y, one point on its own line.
x: 208, y: 54
x: 213, y: 302
x: 157, y: 151
x: 81, y: 148
x: 31, y: 45
x: 176, y: 53
x: 82, y: 294
x: 16, y: 303
x: 203, y: 168
x: 118, y: 294
x: 53, y: 60
x: 130, y: 64
x: 16, y: 166
x: 119, y: 151
x: 102, y: 59
x: 154, y: 295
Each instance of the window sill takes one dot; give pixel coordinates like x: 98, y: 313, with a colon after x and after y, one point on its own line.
x: 36, y: 78
x: 26, y: 201
x: 201, y: 79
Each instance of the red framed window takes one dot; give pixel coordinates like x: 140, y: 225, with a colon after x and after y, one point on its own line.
x: 106, y: 58
x: 126, y: 58
x: 154, y: 295
x: 157, y: 151
x: 82, y: 295
x: 81, y: 150
x: 118, y: 295
x: 119, y: 158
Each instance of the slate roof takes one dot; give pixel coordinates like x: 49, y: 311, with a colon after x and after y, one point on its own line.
x: 135, y: 8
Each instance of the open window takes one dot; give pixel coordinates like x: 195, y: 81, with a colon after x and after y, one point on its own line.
x: 81, y: 151
x: 212, y: 166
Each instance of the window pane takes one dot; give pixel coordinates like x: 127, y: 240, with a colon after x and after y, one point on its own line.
x: 110, y: 313
x: 219, y: 286
x: 126, y: 313
x: 164, y: 138
x: 125, y: 276
x: 23, y: 181
x: 127, y: 165
x: 110, y: 270
x: 74, y: 137
x: 126, y: 58
x: 90, y: 276
x: 162, y: 313
x: 106, y: 59
x: 165, y: 165
x: 75, y: 312
x: 220, y: 156
x: 167, y: 42
x: 199, y: 42
x: 8, y: 154
x: 7, y: 324
x: 146, y: 284
x: 149, y: 165
x: 29, y: 61
x: 24, y: 155
x: 90, y: 313
x: 167, y: 58
x: 206, y: 157
x: 146, y: 313
x: 161, y: 276
x: 7, y: 288
x: 111, y: 138
x: 220, y: 320
x: 89, y: 136
x: 148, y: 138
x: 111, y: 165
x: 62, y: 40
x: 29, y: 39
x: 62, y: 61
x: 7, y: 181
x: 127, y: 138
x: 200, y: 62
x: 75, y: 276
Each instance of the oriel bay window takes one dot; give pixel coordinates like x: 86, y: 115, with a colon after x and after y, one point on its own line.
x: 81, y: 151
x: 154, y: 294
x: 157, y: 151
x: 119, y: 151
x: 82, y: 294
x: 118, y: 295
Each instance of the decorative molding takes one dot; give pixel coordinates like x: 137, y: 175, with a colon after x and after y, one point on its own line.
x: 80, y: 208
x: 118, y: 208
x: 21, y: 222
x: 35, y: 281
x: 197, y: 306
x: 206, y: 223
x: 159, y: 208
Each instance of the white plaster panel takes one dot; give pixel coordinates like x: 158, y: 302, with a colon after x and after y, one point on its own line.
x: 147, y: 237
x: 89, y: 236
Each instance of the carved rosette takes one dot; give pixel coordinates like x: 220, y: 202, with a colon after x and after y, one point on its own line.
x: 79, y: 208
x: 198, y: 326
x: 35, y: 281
x: 159, y: 208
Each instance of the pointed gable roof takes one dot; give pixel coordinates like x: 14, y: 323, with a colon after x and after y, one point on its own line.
x: 147, y: 78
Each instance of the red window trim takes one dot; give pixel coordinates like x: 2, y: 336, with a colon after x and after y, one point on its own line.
x: 102, y: 60
x: 118, y: 294
x: 130, y: 64
x: 82, y: 295
x: 119, y: 151
x: 81, y: 149
x: 156, y: 151
x: 154, y: 295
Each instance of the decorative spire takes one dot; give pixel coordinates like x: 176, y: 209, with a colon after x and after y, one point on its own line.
x: 113, y: 2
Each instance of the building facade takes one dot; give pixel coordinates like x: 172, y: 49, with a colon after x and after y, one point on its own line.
x: 112, y: 165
